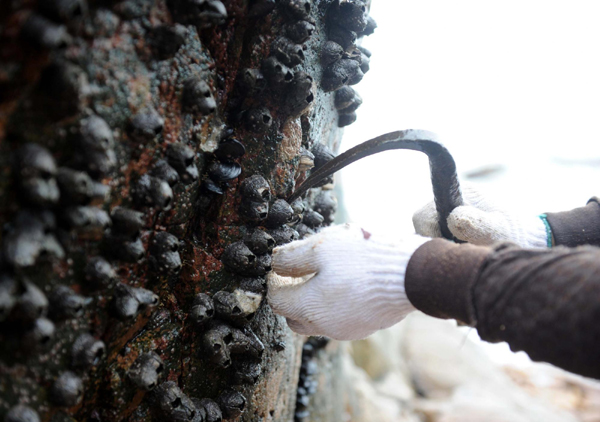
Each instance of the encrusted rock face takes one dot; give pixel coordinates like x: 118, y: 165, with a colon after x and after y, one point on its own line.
x: 147, y: 149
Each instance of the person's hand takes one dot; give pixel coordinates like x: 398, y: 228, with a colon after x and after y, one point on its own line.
x: 342, y: 282
x: 481, y: 222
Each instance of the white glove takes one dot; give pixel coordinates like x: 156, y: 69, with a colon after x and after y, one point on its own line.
x: 481, y: 222
x: 346, y: 282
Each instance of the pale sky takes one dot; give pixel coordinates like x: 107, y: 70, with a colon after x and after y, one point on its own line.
x: 512, y: 83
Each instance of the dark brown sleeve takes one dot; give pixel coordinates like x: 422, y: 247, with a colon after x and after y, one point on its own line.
x: 580, y: 226
x: 545, y: 302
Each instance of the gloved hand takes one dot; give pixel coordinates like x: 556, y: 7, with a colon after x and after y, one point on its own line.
x: 342, y: 282
x: 481, y: 222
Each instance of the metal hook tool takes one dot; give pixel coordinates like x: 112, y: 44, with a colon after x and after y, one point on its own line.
x: 446, y: 189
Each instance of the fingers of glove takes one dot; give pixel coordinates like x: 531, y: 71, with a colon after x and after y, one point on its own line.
x: 296, y: 258
x: 288, y: 296
x: 425, y: 221
x: 304, y: 257
x: 335, y: 331
x: 303, y: 329
x: 478, y: 227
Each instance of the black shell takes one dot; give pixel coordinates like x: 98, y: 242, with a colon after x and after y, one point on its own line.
x: 202, y: 309
x: 216, y: 344
x: 258, y: 119
x: 126, y: 222
x: 98, y: 163
x: 123, y: 249
x: 346, y: 119
x: 277, y: 73
x: 96, y: 134
x: 66, y: 390
x: 251, y: 81
x: 254, y: 211
x: 331, y: 52
x: 182, y: 158
x: 77, y: 187
x: 234, y: 307
x: 223, y: 171
x: 350, y: 14
x: 365, y: 62
x: 303, y: 230
x: 322, y: 154
x: 173, y: 403
x: 255, y: 188
x: 65, y: 303
x: 312, y: 219
x: 45, y: 33
x: 85, y: 218
x: 245, y: 343
x: 27, y: 237
x: 211, y: 409
x: 298, y: 9
x: 33, y: 160
x: 210, y: 187
x: 353, y: 105
x: 164, y: 253
x: 86, y: 351
x: 280, y: 213
x: 145, y: 371
x: 370, y: 28
x: 232, y: 403
x: 301, y: 94
x: 284, y: 234
x: 344, y: 97
x: 326, y: 205
x: 288, y: 52
x: 164, y: 171
x: 260, y: 242
x: 152, y: 191
x: 230, y: 149
x: 31, y: 303
x: 299, y: 31
x: 197, y: 97
x: 35, y: 169
x: 8, y: 295
x: 21, y: 413
x: 246, y: 372
x: 146, y: 125
x: 344, y: 37
x: 129, y: 301
x: 343, y: 72
x: 239, y: 259
x: 257, y: 285
x: 99, y: 273
x: 37, y: 335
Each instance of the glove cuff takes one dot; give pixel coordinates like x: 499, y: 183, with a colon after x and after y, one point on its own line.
x: 534, y: 234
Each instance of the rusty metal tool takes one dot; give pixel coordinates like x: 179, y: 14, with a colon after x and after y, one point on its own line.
x: 446, y: 189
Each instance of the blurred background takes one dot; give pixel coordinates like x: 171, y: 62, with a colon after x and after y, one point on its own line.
x: 513, y: 90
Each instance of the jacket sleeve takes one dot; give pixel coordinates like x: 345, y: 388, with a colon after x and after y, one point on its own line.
x: 580, y: 226
x: 545, y: 302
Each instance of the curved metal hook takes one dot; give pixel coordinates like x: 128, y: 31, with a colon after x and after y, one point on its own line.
x: 446, y: 189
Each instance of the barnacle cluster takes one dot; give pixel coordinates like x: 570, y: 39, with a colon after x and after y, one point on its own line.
x: 345, y: 62
x: 129, y: 181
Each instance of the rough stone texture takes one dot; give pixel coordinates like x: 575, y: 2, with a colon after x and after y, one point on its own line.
x: 129, y: 62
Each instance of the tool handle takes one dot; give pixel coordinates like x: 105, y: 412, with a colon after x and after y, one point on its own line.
x: 446, y: 189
